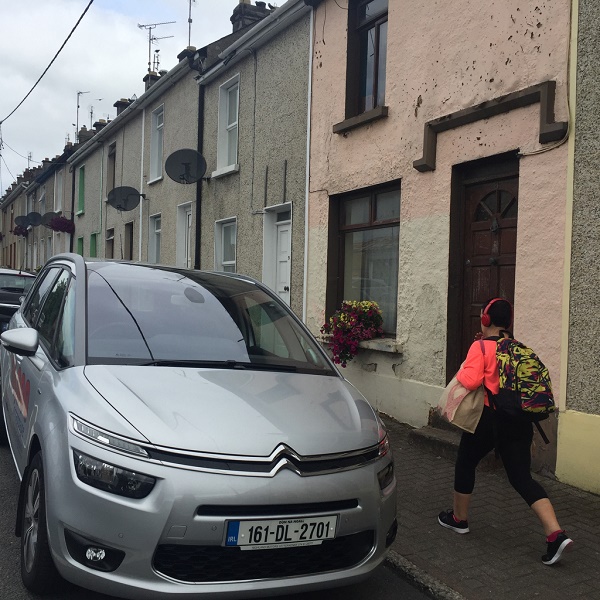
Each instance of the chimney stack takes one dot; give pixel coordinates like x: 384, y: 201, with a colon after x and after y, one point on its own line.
x: 100, y: 124
x: 150, y: 79
x: 85, y: 135
x: 245, y: 14
x: 121, y: 105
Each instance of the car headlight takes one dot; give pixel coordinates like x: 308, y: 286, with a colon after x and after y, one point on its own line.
x: 106, y: 439
x: 111, y: 478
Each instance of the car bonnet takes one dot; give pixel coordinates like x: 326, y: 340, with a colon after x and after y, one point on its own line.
x: 238, y: 412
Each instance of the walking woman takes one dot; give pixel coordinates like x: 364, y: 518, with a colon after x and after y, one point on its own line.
x: 511, y: 437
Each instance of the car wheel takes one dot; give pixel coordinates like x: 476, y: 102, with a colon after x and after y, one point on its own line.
x: 38, y: 571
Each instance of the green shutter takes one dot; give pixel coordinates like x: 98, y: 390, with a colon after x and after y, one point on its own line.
x: 80, y: 246
x: 93, y: 246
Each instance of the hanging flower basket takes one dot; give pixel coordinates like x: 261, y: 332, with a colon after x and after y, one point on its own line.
x: 62, y: 224
x: 20, y: 230
x: 354, y: 322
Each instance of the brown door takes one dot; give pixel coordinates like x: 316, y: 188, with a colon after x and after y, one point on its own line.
x: 483, y: 241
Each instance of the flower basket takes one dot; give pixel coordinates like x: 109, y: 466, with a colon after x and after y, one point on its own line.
x: 354, y: 322
x: 20, y: 230
x: 62, y: 224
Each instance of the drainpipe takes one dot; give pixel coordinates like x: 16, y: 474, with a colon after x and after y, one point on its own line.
x: 98, y: 242
x: 72, y: 206
x: 141, y: 182
x: 307, y: 183
x: 199, y: 182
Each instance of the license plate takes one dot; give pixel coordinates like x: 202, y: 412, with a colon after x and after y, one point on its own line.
x: 279, y: 533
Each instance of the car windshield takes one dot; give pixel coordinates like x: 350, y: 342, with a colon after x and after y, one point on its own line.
x: 16, y: 283
x: 140, y: 315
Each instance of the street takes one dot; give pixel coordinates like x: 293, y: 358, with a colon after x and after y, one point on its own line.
x: 385, y: 584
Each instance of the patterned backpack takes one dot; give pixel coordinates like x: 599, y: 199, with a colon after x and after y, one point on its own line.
x: 525, y: 387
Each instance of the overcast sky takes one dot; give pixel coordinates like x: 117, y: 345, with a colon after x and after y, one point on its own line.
x: 107, y: 56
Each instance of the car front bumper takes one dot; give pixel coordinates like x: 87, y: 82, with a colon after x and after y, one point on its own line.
x: 173, y: 543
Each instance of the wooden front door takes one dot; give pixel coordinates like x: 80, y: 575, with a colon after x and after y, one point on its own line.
x: 484, y: 228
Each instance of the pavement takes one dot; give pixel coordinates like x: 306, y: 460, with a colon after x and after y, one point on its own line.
x: 501, y: 556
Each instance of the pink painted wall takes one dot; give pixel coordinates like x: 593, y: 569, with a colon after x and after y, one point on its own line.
x: 443, y: 57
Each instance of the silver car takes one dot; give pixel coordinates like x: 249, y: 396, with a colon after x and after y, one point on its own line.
x: 180, y: 433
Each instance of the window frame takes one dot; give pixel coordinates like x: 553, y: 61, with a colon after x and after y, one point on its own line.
x: 81, y: 190
x: 110, y: 242
x: 154, y: 238
x: 225, y: 127
x: 157, y: 144
x: 336, y: 240
x: 220, y: 263
x: 59, y: 180
x: 353, y: 70
x: 111, y: 168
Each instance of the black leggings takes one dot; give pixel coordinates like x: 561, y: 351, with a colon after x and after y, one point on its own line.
x: 514, y: 446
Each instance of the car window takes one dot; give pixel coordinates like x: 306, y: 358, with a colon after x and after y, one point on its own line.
x: 49, y: 315
x: 34, y: 302
x: 65, y: 340
x: 18, y: 284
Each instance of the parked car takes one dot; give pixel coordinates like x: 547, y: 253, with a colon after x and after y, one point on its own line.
x: 180, y: 433
x: 14, y: 285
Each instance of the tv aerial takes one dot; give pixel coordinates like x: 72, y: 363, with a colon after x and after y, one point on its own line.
x: 124, y: 198
x: 185, y: 166
x: 153, y: 39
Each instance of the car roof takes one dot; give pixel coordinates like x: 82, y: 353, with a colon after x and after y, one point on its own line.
x: 96, y: 264
x: 4, y: 271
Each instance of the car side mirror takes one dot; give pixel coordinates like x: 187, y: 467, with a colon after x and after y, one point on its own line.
x: 23, y: 341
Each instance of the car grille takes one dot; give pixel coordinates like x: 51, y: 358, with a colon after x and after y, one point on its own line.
x: 203, y: 564
x: 282, y: 457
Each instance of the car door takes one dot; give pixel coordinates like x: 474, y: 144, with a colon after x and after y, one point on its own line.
x: 43, y: 312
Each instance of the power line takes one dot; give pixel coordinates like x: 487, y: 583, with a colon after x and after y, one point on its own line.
x: 2, y: 157
x: 18, y: 154
x: 46, y: 70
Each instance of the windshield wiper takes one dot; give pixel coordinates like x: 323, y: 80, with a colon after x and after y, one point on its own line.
x: 220, y: 364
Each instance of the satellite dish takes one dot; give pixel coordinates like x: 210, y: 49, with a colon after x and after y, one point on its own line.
x: 34, y: 218
x: 47, y: 217
x: 22, y: 221
x: 185, y: 166
x: 124, y: 198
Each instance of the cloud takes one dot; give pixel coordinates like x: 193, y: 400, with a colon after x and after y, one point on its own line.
x: 106, y: 56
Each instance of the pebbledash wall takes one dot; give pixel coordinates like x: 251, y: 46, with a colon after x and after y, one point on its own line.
x: 442, y: 58
x: 579, y: 434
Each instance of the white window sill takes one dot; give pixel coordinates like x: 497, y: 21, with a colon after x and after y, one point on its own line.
x: 389, y: 345
x: 159, y: 178
x: 224, y: 171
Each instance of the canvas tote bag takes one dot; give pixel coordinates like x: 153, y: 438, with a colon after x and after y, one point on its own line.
x: 460, y: 406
